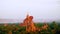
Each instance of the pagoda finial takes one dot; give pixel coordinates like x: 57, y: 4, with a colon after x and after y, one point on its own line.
x: 27, y: 14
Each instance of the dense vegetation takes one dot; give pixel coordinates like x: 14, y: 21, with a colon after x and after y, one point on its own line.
x: 54, y: 28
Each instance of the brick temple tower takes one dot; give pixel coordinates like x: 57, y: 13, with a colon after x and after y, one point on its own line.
x: 29, y: 24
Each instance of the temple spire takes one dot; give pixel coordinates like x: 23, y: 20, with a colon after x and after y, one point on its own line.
x: 27, y: 14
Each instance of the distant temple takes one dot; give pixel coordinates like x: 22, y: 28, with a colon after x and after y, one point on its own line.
x: 30, y: 26
x: 28, y: 23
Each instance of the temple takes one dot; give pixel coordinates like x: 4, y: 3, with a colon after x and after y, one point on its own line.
x: 28, y: 23
x: 30, y: 26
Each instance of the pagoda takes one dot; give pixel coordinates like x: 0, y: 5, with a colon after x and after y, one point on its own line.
x: 29, y: 24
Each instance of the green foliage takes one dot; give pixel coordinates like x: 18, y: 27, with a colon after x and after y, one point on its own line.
x: 38, y: 24
x: 17, y: 29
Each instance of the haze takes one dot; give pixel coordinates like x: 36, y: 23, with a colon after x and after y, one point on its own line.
x: 40, y: 9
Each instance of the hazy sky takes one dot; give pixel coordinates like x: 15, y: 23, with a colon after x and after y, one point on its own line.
x: 40, y: 9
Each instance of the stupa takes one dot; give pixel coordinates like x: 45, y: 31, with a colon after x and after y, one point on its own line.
x: 29, y: 24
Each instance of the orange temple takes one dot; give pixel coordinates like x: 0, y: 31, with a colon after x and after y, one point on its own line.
x: 28, y: 23
x: 30, y: 26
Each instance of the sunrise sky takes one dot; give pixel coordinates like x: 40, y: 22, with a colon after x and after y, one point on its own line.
x: 40, y: 9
